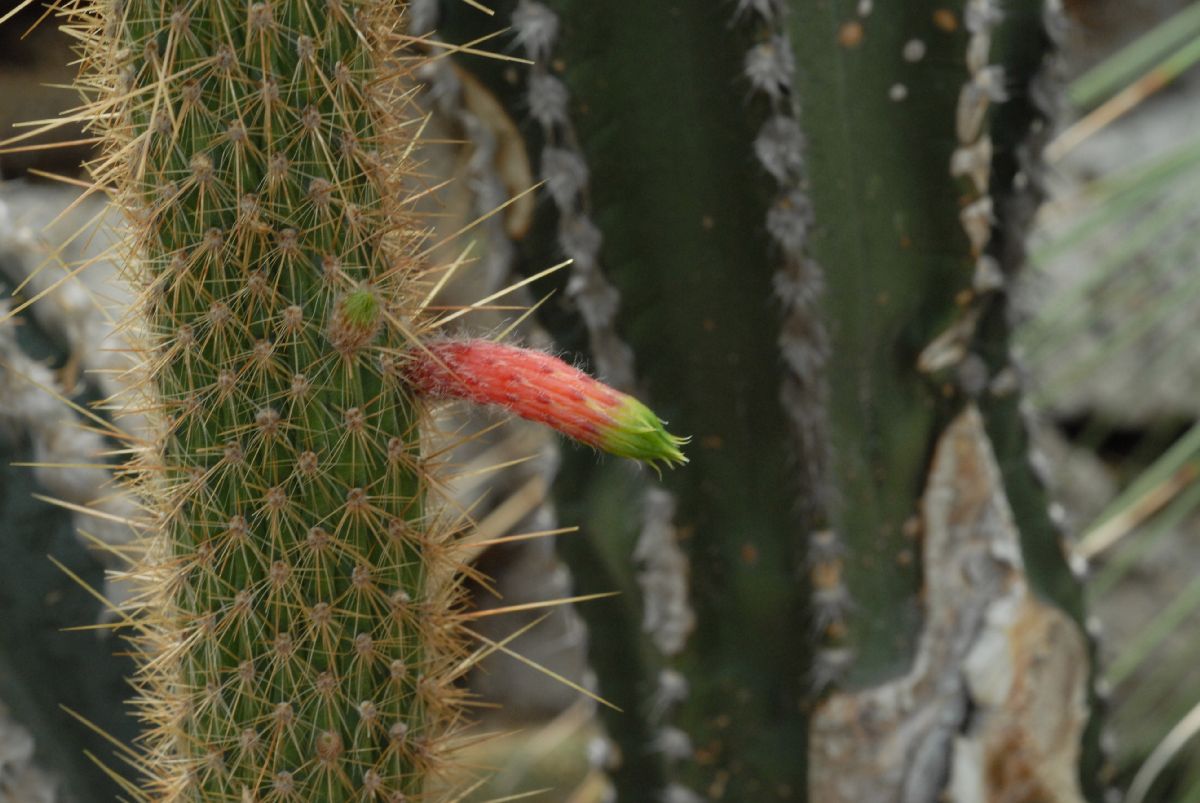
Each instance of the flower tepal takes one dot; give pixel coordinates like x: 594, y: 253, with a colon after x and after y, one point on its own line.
x: 539, y: 387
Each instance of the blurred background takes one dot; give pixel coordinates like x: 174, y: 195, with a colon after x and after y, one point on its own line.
x: 1108, y: 308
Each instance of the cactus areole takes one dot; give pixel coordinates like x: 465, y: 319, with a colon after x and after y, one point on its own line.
x: 298, y: 639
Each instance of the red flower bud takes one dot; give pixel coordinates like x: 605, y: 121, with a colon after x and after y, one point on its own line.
x: 539, y: 387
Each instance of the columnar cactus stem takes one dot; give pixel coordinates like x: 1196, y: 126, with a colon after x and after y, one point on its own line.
x: 890, y: 144
x: 681, y: 205
x: 296, y: 650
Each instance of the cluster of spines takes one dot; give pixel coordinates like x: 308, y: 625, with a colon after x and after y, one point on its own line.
x: 300, y: 636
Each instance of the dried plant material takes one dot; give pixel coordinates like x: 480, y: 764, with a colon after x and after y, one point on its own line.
x: 988, y: 646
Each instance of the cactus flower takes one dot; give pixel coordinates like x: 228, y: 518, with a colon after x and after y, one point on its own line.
x: 539, y: 387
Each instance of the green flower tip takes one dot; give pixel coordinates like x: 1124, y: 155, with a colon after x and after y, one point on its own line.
x: 639, y: 434
x: 361, y: 308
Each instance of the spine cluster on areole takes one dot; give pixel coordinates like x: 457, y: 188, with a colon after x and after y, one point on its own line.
x: 297, y: 645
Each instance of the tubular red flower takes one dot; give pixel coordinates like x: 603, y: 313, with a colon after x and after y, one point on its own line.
x: 539, y: 387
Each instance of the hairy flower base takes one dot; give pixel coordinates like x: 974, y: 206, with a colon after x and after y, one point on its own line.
x: 539, y: 387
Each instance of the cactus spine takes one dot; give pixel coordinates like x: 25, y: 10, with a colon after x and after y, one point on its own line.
x: 301, y: 637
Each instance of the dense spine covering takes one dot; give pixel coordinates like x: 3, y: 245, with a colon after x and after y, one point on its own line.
x: 300, y: 642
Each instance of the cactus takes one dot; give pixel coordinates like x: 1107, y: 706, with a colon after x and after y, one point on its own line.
x: 873, y: 167
x: 297, y: 624
x: 301, y: 640
x: 854, y: 162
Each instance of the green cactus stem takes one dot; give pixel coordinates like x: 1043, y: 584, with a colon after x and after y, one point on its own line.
x: 921, y: 245
x: 681, y: 204
x: 298, y: 639
x: 872, y: 167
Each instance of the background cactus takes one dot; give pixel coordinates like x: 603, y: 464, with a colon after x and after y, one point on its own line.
x: 60, y: 656
x: 873, y: 169
x: 45, y: 667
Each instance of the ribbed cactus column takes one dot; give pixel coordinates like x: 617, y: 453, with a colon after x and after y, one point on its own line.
x: 871, y: 166
x: 919, y: 251
x: 676, y: 218
x: 299, y: 648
